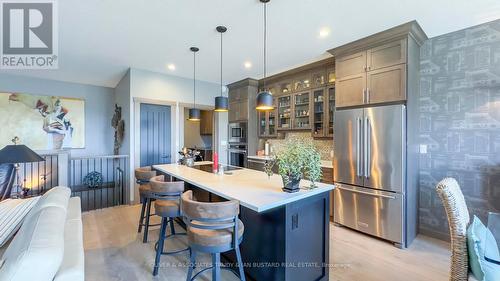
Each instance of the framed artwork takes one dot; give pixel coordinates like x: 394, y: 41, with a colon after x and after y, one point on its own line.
x: 42, y: 122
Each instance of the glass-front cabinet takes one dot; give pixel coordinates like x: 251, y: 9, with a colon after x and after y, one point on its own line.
x: 331, y: 110
x: 267, y: 122
x: 319, y: 113
x: 284, y: 112
x: 301, y: 111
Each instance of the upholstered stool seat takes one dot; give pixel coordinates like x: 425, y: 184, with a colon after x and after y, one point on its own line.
x: 213, y: 237
x: 167, y: 206
x: 145, y: 190
x: 143, y: 175
x: 167, y: 209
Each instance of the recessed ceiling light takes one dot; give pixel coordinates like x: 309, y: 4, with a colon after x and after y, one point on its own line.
x: 248, y: 64
x: 171, y: 66
x: 324, y: 32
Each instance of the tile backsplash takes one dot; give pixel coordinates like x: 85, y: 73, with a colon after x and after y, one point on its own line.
x: 324, y: 146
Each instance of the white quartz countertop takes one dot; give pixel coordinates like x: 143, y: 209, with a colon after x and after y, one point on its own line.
x: 253, y: 189
x: 324, y: 163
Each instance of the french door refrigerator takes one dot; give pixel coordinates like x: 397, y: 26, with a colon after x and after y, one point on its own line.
x: 370, y: 171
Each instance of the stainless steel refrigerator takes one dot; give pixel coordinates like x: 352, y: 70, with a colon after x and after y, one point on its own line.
x: 370, y: 171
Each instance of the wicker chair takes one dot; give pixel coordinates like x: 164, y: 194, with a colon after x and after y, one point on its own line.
x: 458, y: 219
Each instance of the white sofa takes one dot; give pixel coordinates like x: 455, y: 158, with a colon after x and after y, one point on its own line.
x: 49, y: 244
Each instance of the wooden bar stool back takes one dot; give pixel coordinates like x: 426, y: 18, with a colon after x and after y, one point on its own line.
x: 167, y: 197
x: 212, y: 228
x: 142, y: 176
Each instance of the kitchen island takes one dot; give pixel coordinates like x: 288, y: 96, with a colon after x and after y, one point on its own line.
x: 286, y: 234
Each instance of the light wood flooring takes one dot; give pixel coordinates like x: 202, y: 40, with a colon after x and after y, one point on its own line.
x: 114, y: 251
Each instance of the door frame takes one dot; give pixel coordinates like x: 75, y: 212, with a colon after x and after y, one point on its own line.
x: 176, y: 134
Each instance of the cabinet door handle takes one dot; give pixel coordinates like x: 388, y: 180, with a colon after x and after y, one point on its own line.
x: 364, y: 95
x: 367, y: 95
x: 364, y: 67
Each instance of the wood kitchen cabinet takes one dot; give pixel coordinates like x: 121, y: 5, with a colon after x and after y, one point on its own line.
x: 386, y: 55
x: 267, y: 122
x: 284, y: 113
x: 331, y: 110
x: 373, y: 76
x: 386, y: 84
x: 207, y: 122
x: 350, y: 65
x: 350, y: 90
x: 238, y: 111
x: 301, y: 111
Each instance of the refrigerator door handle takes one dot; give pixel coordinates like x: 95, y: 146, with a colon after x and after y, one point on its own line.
x: 366, y: 193
x: 367, y: 152
x: 358, y: 147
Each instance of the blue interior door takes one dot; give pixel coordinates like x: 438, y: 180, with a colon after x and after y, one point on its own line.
x: 155, y: 134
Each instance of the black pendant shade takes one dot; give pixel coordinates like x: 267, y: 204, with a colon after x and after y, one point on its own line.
x: 221, y: 104
x: 194, y: 114
x: 19, y: 153
x: 264, y: 101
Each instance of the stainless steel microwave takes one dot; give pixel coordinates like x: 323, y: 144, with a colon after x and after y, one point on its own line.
x: 238, y: 132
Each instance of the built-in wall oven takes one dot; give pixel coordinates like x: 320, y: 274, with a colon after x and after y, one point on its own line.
x: 238, y: 132
x: 238, y: 155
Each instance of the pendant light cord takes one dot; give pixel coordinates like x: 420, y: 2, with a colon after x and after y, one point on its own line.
x: 194, y: 79
x: 265, y: 44
x: 221, y: 91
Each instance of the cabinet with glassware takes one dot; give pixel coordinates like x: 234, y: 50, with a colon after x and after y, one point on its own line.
x: 267, y: 122
x: 304, y: 101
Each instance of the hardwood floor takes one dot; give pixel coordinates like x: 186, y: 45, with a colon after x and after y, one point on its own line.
x: 114, y: 251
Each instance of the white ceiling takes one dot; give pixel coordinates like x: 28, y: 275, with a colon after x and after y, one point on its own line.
x: 100, y: 39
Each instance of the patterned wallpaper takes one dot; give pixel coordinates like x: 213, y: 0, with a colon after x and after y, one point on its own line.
x: 324, y: 146
x: 460, y: 122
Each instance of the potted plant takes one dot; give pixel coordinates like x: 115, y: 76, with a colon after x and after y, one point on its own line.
x: 296, y: 161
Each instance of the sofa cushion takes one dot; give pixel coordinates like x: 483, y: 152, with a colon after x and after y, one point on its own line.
x: 57, y: 197
x: 72, y: 267
x: 37, y: 250
x: 12, y: 213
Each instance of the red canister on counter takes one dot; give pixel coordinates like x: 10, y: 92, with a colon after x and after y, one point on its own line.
x: 215, y: 166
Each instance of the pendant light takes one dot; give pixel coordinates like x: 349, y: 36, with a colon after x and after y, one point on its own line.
x: 221, y: 102
x: 194, y: 113
x: 265, y: 98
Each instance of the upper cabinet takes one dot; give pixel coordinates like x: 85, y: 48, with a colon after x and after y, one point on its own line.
x: 301, y: 101
x: 376, y: 75
x: 302, y: 109
x: 284, y: 112
x: 206, y: 122
x: 242, y: 95
x: 386, y: 55
x: 350, y: 65
x: 267, y: 122
x: 375, y: 69
x: 386, y: 84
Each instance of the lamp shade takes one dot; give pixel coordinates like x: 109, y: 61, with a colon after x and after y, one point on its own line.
x: 19, y: 153
x: 264, y: 101
x: 194, y: 114
x: 221, y: 104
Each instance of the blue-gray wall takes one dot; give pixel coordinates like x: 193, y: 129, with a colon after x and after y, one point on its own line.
x: 99, y: 107
x: 460, y: 121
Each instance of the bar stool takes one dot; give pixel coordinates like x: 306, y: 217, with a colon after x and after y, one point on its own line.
x: 167, y: 197
x: 212, y: 228
x: 143, y: 175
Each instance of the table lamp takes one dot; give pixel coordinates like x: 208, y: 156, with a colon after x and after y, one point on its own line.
x: 18, y: 153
